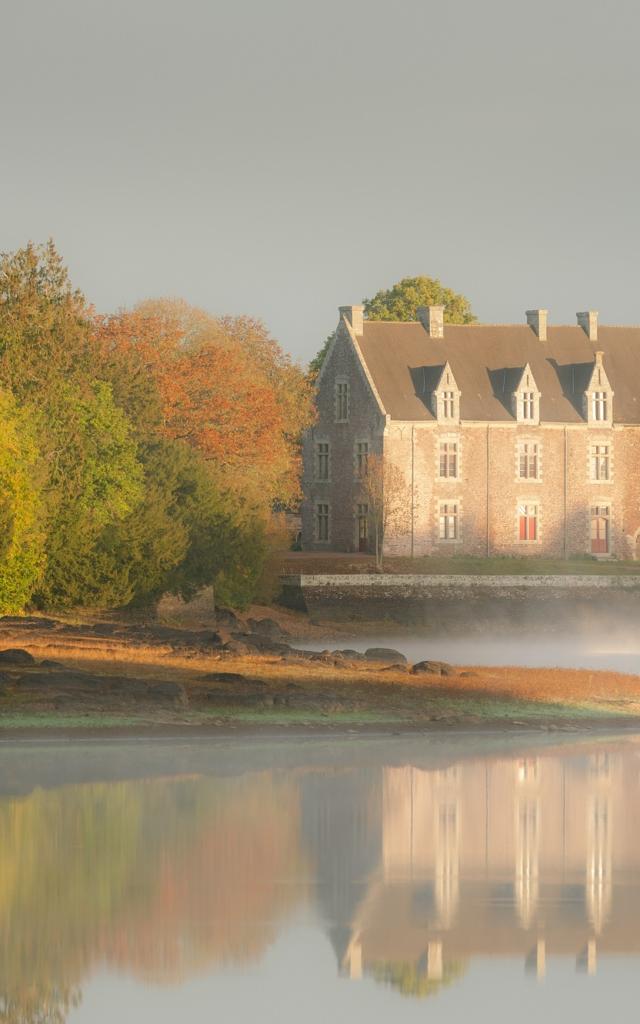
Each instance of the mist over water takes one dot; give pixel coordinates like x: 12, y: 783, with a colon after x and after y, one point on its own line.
x: 615, y: 650
x: 488, y: 877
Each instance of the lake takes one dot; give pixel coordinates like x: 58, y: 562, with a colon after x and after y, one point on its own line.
x: 309, y: 879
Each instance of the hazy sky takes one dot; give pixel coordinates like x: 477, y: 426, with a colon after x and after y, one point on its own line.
x: 282, y: 158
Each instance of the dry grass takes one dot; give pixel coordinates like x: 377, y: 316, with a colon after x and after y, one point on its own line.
x: 351, y: 563
x: 566, y: 686
x: 289, y: 692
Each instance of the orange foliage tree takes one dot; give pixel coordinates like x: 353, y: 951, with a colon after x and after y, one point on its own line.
x: 226, y: 388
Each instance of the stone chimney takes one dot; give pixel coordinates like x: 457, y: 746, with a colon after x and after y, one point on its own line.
x: 589, y: 323
x: 537, y: 320
x: 432, y: 319
x: 355, y: 316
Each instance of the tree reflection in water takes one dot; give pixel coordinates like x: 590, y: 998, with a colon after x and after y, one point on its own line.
x: 161, y: 878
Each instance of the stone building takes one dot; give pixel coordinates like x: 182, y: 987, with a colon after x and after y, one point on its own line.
x: 507, y: 439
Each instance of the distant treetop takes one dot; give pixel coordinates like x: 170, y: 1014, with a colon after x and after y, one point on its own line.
x: 401, y: 301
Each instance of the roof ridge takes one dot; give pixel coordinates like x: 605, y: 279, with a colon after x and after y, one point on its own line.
x: 413, y: 323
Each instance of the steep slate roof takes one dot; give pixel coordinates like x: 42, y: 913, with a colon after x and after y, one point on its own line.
x: 486, y: 359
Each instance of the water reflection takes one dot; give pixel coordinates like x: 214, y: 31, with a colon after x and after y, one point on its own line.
x: 161, y: 878
x: 413, y: 869
x: 527, y: 857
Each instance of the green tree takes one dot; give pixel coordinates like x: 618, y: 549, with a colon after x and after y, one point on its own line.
x: 400, y: 302
x: 88, y: 468
x: 94, y: 480
x: 187, y: 533
x: 226, y: 542
x: 316, y: 363
x: 413, y: 980
x: 43, y: 324
x: 21, y: 535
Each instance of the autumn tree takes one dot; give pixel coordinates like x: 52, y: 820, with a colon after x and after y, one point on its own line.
x: 385, y: 491
x: 121, y: 489
x: 227, y: 389
x: 401, y: 301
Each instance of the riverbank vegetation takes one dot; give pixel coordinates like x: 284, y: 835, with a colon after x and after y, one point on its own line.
x: 140, y: 453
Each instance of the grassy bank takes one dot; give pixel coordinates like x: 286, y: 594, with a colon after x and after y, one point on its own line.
x: 133, y: 682
x: 465, y: 565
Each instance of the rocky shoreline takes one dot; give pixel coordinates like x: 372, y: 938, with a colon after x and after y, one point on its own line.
x: 248, y: 674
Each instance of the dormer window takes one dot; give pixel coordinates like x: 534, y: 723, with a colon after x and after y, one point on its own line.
x: 598, y: 396
x: 446, y: 398
x: 526, y: 399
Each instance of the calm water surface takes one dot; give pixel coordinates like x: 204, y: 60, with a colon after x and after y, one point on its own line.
x: 420, y: 878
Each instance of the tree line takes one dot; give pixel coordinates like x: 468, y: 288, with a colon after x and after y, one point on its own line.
x: 141, y: 453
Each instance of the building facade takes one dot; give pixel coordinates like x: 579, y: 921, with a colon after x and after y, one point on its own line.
x: 519, y: 439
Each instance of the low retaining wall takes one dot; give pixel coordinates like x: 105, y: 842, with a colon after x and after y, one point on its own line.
x: 467, y: 603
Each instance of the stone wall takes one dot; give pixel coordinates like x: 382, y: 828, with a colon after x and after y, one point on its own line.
x: 488, y: 489
x: 462, y: 604
x: 365, y: 423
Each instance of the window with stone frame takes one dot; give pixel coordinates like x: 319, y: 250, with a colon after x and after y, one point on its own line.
x: 528, y: 400
x: 528, y: 460
x: 448, y: 521
x: 600, y: 406
x: 362, y: 459
x: 600, y: 462
x: 448, y: 405
x: 342, y: 401
x: 448, y: 459
x: 528, y: 522
x: 322, y: 460
x: 322, y: 521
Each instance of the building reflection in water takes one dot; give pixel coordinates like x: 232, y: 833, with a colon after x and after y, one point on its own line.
x: 529, y: 857
x: 414, y: 870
